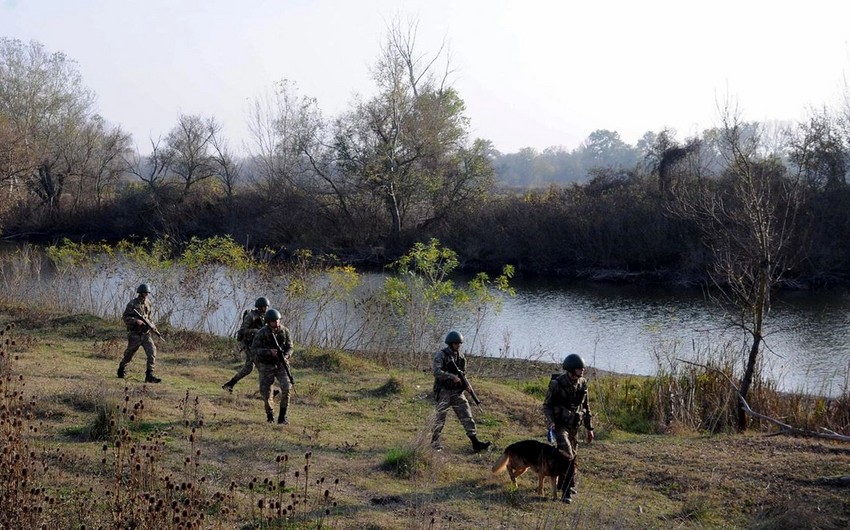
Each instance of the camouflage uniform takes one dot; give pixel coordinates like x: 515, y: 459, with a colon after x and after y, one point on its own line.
x: 271, y: 368
x: 447, y: 393
x: 138, y: 335
x: 566, y: 406
x: 252, y: 321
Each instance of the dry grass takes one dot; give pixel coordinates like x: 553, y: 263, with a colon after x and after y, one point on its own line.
x: 365, y: 426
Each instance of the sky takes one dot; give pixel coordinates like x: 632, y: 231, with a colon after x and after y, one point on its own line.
x: 533, y: 73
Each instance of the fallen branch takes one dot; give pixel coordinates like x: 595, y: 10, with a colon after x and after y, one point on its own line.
x: 788, y: 429
x: 784, y: 427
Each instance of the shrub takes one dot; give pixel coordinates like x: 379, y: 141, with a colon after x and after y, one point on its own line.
x: 392, y: 387
x: 406, y: 462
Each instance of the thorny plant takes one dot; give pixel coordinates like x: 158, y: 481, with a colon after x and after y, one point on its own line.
x: 279, y: 505
x: 135, y: 487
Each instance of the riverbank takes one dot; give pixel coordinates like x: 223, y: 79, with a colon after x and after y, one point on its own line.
x: 366, y: 426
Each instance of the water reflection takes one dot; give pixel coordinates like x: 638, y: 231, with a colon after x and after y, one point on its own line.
x: 618, y: 328
x: 621, y: 328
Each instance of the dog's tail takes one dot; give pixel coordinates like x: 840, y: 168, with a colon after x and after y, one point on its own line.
x: 501, y: 464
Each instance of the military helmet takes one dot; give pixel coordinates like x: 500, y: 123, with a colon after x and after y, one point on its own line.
x: 572, y: 362
x: 454, y: 337
x: 143, y: 288
x: 272, y: 314
x: 262, y: 302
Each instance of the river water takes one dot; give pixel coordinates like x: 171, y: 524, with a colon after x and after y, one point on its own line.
x: 626, y: 329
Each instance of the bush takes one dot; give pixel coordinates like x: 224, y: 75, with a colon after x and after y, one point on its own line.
x: 407, y: 462
x: 392, y: 387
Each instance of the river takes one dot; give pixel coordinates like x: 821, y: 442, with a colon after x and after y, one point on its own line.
x: 626, y: 329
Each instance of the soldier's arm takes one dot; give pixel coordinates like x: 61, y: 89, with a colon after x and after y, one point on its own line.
x: 548, y: 406
x: 258, y: 344
x: 286, y: 344
x: 588, y: 416
x: 129, y: 317
x: 439, y: 374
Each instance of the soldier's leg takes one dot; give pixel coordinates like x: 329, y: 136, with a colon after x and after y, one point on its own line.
x: 563, y: 443
x: 464, y: 414
x: 150, y: 353
x: 246, y: 369
x: 442, y: 408
x: 568, y: 482
x: 266, y: 378
x: 572, y: 436
x: 285, y: 390
x: 562, y: 439
x: 134, y: 340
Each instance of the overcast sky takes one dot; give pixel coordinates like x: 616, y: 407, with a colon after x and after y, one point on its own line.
x: 532, y: 72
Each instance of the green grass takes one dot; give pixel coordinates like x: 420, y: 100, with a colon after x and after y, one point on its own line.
x: 368, y: 427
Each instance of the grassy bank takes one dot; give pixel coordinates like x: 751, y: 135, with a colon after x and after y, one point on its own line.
x: 96, y: 451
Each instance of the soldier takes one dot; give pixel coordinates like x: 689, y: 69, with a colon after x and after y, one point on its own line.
x: 448, y: 392
x: 139, y: 333
x: 565, y: 408
x: 272, y: 348
x: 252, y: 321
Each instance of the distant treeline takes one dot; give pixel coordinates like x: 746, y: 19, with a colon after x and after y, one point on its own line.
x: 400, y: 167
x: 530, y: 168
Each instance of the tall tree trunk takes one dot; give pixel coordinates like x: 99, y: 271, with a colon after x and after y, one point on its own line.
x: 392, y: 204
x: 760, y: 305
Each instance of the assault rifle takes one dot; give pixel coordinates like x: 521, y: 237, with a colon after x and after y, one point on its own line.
x: 283, y: 359
x: 465, y: 382
x: 148, y: 323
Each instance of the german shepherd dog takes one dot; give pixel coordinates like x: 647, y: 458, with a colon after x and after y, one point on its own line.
x: 544, y: 459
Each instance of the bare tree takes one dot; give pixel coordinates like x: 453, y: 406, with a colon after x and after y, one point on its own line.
x: 15, y: 164
x: 747, y: 218
x: 281, y: 125
x: 228, y: 168
x: 188, y: 150
x: 101, y: 149
x: 151, y: 169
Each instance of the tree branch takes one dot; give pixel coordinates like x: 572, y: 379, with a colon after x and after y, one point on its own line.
x: 784, y: 427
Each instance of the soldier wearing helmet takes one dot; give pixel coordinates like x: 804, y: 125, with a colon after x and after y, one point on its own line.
x: 252, y: 321
x: 448, y: 392
x: 139, y: 334
x: 272, y: 347
x: 566, y: 407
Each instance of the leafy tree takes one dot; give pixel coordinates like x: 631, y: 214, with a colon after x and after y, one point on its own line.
x: 43, y: 106
x: 423, y: 281
x: 407, y: 146
x: 605, y: 148
x: 820, y: 152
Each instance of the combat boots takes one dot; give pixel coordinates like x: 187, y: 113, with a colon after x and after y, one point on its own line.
x: 567, y: 483
x: 270, y: 416
x: 229, y: 386
x: 121, y: 372
x: 478, y: 445
x: 150, y: 378
x: 281, y: 419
